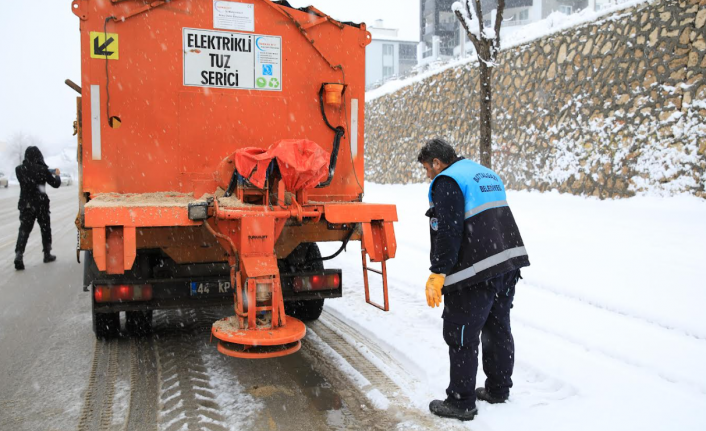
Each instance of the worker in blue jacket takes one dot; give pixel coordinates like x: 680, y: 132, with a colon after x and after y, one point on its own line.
x: 476, y: 256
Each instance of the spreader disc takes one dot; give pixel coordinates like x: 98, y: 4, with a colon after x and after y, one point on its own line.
x: 228, y: 330
x: 258, y: 352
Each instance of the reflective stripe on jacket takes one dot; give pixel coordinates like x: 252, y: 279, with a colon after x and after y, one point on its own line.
x: 492, y: 244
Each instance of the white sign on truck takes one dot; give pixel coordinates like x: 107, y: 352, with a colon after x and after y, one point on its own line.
x: 222, y: 59
x: 233, y: 16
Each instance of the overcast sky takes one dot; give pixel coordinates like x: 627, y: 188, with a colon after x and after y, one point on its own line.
x: 39, y: 49
x: 400, y: 14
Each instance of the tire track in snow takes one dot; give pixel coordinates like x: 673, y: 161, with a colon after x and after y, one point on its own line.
x: 97, y: 410
x: 656, y: 321
x: 123, y: 387
x: 622, y: 359
x: 142, y: 407
x: 187, y: 400
x: 615, y: 310
x: 366, y: 359
x: 624, y: 322
x: 653, y: 347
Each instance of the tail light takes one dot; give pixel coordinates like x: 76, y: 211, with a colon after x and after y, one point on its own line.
x: 123, y: 293
x: 317, y: 282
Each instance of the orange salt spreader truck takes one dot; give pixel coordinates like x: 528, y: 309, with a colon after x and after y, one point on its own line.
x: 218, y: 142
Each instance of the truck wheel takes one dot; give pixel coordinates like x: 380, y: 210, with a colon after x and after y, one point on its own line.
x: 106, y: 325
x: 303, y: 259
x: 138, y: 323
x: 305, y: 311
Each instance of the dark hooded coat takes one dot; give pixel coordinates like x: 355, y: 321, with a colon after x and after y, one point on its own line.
x: 34, y: 175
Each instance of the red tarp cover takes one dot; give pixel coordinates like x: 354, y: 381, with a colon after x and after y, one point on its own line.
x: 303, y: 163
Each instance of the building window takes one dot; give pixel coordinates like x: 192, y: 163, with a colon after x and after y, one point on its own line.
x: 408, y: 52
x: 387, y: 72
x: 388, y: 49
x: 447, y: 21
x: 523, y: 15
x: 566, y: 10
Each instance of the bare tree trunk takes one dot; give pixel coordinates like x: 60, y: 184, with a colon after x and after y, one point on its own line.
x: 487, y: 52
x: 486, y: 114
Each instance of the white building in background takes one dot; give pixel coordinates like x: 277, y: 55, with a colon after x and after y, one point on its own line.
x: 437, y: 32
x: 388, y: 56
x: 443, y: 37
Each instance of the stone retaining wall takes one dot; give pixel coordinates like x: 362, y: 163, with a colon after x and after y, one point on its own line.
x: 607, y: 109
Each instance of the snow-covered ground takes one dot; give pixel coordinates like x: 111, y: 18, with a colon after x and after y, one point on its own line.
x: 609, y: 319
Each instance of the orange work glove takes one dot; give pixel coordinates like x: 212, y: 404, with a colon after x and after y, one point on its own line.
x: 434, y: 285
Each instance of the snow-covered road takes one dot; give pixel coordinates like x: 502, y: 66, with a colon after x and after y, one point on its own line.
x: 54, y: 375
x: 608, y: 321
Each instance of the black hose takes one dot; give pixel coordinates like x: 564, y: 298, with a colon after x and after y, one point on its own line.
x: 345, y: 243
x: 232, y: 184
x: 339, y: 133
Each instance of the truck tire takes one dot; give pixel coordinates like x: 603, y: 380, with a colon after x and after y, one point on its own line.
x: 302, y: 259
x: 306, y: 311
x: 138, y: 323
x: 106, y: 326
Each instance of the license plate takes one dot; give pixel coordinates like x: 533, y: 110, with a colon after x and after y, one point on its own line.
x: 210, y: 288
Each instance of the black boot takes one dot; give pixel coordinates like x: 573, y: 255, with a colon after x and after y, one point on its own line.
x: 483, y: 394
x: 48, y: 257
x: 19, y: 264
x: 446, y: 410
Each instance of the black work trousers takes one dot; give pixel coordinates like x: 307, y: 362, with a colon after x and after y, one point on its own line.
x: 28, y: 215
x: 483, y: 310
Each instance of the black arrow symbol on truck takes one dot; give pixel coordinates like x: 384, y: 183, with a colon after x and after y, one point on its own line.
x: 100, y: 49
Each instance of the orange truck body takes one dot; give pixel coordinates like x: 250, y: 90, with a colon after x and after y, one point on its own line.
x: 171, y: 89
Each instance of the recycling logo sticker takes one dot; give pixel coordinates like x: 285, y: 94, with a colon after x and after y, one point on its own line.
x: 274, y: 83
x: 261, y: 82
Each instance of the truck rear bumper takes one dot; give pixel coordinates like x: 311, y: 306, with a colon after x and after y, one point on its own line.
x: 176, y: 293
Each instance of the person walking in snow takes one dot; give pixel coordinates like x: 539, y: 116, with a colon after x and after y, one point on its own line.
x: 476, y: 256
x: 33, y: 175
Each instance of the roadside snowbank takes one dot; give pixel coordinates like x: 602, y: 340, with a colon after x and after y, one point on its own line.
x: 608, y: 320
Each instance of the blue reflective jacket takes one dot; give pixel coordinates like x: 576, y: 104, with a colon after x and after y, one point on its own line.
x: 482, y: 188
x: 491, y: 243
